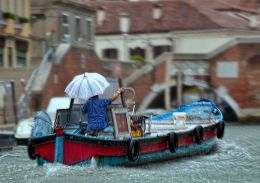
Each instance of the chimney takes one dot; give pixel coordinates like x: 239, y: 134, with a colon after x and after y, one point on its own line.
x: 157, y: 11
x: 253, y: 22
x: 101, y: 15
x: 124, y: 23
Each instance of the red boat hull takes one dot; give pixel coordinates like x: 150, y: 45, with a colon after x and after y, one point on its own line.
x: 77, y: 149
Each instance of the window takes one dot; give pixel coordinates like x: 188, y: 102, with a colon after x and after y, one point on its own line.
x: 20, y: 59
x: 21, y: 50
x: 1, y: 58
x: 89, y: 29
x: 100, y: 15
x: 9, y: 45
x: 124, y: 23
x: 2, y: 45
x: 157, y: 12
x: 110, y: 53
x: 158, y: 50
x: 65, y: 28
x: 227, y: 69
x: 1, y: 8
x: 8, y: 5
x: 65, y: 19
x: 10, y: 57
x: 77, y: 27
x: 16, y: 5
x: 137, y: 51
x: 24, y: 8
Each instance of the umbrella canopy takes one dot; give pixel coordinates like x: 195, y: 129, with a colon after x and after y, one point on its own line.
x: 86, y: 85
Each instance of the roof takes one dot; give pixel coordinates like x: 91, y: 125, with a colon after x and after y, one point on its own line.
x: 176, y: 15
x: 249, y: 4
x: 222, y: 5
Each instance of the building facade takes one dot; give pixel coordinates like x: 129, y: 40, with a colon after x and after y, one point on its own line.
x: 214, y: 52
x: 142, y: 30
x: 15, y: 32
x: 15, y: 53
x: 60, y: 21
x: 59, y: 26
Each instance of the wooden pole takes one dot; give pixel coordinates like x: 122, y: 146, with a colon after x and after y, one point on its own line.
x: 3, y: 101
x: 14, y: 102
x: 27, y: 102
x: 179, y: 87
x: 5, y: 109
x: 167, y: 91
x: 121, y: 94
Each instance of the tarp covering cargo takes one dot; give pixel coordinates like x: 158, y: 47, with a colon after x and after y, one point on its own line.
x: 42, y: 124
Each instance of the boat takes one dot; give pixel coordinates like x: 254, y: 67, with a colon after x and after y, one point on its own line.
x: 24, y: 127
x: 6, y: 140
x: 130, y: 139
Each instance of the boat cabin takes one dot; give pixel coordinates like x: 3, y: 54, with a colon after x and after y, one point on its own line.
x: 122, y: 121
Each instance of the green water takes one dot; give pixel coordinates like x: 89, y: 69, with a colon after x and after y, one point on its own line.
x: 236, y: 159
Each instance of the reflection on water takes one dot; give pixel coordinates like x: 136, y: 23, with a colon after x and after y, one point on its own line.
x: 236, y: 159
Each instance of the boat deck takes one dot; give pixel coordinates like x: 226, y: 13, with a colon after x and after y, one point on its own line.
x: 160, y: 129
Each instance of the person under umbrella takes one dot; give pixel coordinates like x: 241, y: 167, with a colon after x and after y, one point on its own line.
x: 88, y: 86
x: 96, y: 109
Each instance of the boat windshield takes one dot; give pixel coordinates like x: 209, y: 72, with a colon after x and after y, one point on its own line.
x: 71, y: 116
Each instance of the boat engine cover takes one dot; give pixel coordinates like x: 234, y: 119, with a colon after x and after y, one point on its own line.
x: 42, y: 125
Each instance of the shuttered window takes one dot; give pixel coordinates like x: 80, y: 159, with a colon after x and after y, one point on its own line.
x: 10, y: 57
x: 1, y: 58
x: 110, y: 53
x: 21, y: 49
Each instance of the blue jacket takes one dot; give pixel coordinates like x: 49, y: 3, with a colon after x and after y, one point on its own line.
x: 97, y: 113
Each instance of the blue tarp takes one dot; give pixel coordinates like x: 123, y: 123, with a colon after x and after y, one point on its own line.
x: 201, y: 110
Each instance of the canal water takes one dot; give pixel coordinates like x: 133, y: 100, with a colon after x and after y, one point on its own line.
x: 236, y: 159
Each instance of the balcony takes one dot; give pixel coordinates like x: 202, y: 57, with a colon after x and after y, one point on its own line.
x: 19, y: 20
x: 18, y: 27
x: 2, y: 23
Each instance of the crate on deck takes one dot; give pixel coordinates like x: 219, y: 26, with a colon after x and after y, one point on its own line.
x: 137, y: 125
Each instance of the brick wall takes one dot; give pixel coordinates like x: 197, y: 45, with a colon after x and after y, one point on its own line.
x: 244, y: 90
x: 239, y: 88
x: 142, y: 86
x: 71, y: 65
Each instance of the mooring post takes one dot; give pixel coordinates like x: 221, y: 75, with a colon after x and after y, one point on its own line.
x: 14, y: 102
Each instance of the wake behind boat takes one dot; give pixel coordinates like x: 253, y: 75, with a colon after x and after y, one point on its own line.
x: 130, y: 139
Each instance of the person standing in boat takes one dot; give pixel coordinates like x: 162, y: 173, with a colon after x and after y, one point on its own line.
x: 96, y: 110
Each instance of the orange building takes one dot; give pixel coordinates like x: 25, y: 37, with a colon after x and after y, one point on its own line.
x: 15, y: 33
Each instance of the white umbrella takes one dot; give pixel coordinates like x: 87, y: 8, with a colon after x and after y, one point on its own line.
x: 86, y: 85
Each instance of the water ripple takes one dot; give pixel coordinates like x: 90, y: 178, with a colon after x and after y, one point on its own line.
x: 235, y: 160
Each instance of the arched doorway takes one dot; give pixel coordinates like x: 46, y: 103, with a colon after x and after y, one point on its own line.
x: 191, y: 93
